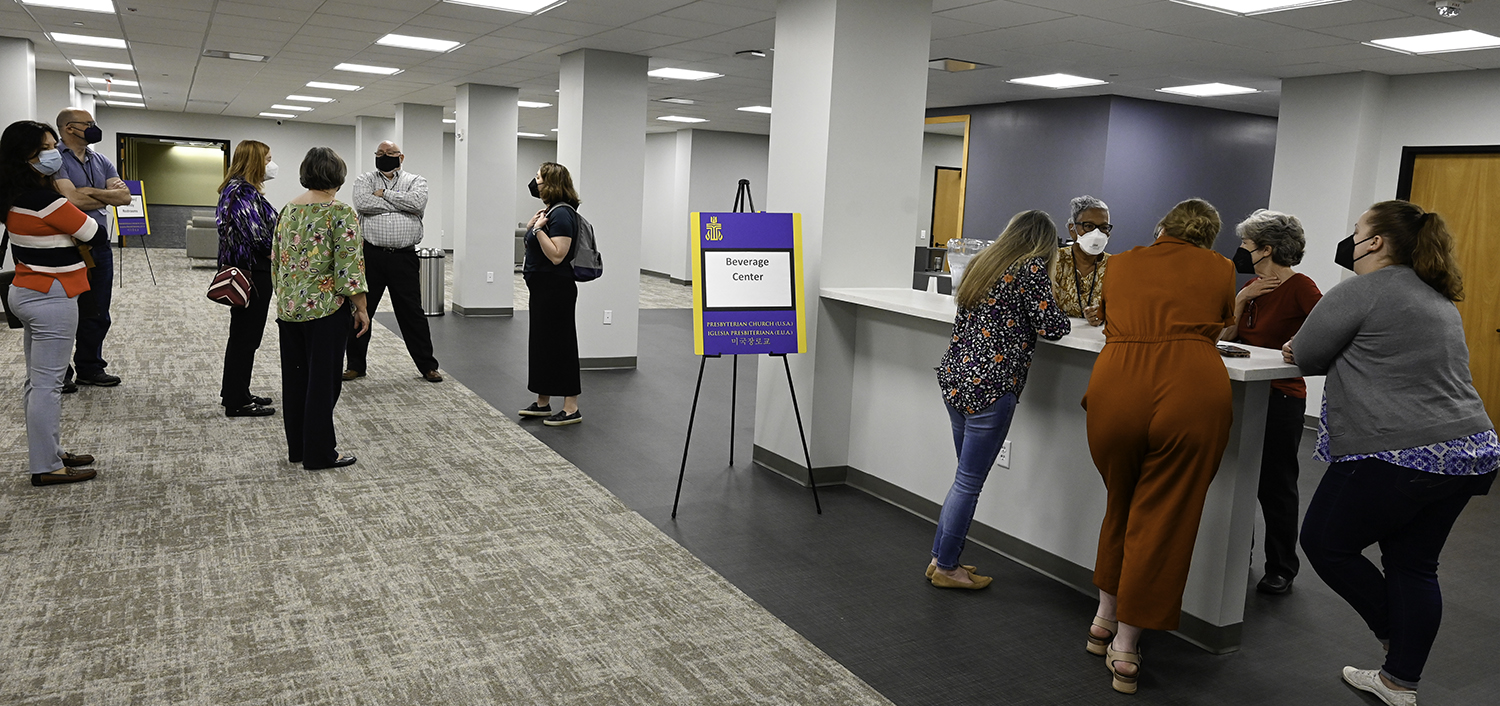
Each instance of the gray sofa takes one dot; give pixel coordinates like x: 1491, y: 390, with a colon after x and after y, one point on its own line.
x: 203, y: 236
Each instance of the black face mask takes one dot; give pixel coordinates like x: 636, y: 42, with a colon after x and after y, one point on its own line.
x: 1245, y: 262
x: 387, y: 163
x: 93, y: 135
x: 531, y: 186
x: 1343, y: 256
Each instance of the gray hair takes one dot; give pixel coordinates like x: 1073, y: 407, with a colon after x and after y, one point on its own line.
x: 1084, y: 203
x: 1281, y: 231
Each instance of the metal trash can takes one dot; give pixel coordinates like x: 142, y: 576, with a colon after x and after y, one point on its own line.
x: 430, y: 266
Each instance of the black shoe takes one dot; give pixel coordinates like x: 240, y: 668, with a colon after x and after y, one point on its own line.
x: 76, y: 460
x: 99, y: 379
x: 535, y: 411
x: 340, y: 462
x: 1274, y: 585
x: 562, y: 419
x: 68, y: 475
x: 69, y: 387
x: 253, y: 409
x: 257, y: 399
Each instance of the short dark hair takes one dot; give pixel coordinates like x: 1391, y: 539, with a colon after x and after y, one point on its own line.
x: 21, y: 141
x: 322, y: 169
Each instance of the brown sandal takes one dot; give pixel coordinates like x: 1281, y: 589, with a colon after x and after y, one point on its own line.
x: 1097, y: 645
x: 932, y: 568
x: 1125, y: 684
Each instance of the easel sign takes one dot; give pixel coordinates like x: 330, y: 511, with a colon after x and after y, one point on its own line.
x: 748, y: 296
x: 130, y: 219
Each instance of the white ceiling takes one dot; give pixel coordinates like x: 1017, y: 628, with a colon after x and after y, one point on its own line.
x: 1136, y: 45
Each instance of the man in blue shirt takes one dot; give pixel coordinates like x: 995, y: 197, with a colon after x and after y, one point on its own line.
x: 96, y: 185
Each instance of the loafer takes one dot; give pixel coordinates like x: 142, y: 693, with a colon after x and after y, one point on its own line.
x: 353, y: 374
x: 932, y: 569
x: 340, y: 462
x: 75, y: 460
x: 257, y: 399
x: 562, y: 419
x: 432, y: 376
x: 67, y: 475
x: 978, y: 582
x: 69, y: 387
x: 99, y: 379
x: 250, y: 410
x: 1274, y: 585
x: 535, y: 411
x: 1369, y: 680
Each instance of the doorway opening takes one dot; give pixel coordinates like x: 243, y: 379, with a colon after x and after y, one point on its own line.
x: 179, y: 177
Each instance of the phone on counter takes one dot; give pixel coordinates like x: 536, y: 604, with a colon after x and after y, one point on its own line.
x: 1229, y: 351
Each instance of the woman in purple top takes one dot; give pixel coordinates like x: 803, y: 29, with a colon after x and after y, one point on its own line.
x: 1004, y: 302
x: 246, y: 225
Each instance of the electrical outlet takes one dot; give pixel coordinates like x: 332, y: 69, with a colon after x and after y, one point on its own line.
x: 489, y: 276
x: 1003, y: 460
x: 609, y: 316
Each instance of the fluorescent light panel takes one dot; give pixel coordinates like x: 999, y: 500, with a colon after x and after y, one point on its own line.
x: 277, y: 115
x: 279, y: 106
x: 419, y: 43
x: 309, y: 99
x: 533, y: 104
x: 124, y: 104
x: 679, y: 101
x: 1442, y: 42
x: 1208, y: 90
x: 105, y: 6
x: 1254, y: 7
x: 117, y: 94
x: 103, y: 65
x: 756, y: 109
x: 1058, y: 81
x: 236, y: 55
x: 529, y: 134
x: 119, y: 81
x: 682, y: 119
x: 522, y: 7
x: 451, y: 121
x: 333, y: 86
x: 367, y: 69
x: 88, y: 40
x: 682, y: 74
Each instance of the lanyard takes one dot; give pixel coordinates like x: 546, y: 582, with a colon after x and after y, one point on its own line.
x: 1078, y: 285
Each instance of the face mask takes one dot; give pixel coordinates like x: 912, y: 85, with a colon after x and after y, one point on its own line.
x: 1092, y: 242
x: 531, y: 186
x: 50, y: 162
x: 1245, y: 262
x: 387, y: 163
x: 271, y: 170
x: 92, y: 134
x: 1343, y: 256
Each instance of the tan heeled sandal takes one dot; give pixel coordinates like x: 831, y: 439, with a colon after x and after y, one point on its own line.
x: 932, y: 568
x: 1125, y: 684
x: 1097, y: 645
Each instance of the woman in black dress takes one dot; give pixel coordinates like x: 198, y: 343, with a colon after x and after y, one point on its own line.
x: 548, y: 270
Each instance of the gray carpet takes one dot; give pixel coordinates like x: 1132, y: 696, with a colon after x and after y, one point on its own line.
x: 460, y: 561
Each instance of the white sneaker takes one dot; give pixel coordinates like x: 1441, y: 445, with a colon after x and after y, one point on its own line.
x: 1369, y: 680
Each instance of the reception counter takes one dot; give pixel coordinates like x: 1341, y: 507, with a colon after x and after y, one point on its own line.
x: 1044, y: 510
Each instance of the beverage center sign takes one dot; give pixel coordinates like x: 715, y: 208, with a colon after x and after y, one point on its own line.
x: 747, y: 284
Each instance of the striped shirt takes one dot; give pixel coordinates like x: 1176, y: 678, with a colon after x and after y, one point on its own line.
x: 393, y: 220
x: 44, y: 234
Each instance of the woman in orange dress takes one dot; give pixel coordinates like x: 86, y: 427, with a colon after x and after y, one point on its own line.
x: 1159, y: 412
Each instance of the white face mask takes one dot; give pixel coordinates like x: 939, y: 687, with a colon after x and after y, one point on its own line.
x: 271, y: 170
x: 1092, y: 242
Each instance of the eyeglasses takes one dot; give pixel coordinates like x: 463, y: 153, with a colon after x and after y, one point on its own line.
x: 1087, y: 227
x: 89, y: 123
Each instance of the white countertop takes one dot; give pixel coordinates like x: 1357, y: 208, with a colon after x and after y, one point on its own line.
x: 1263, y: 363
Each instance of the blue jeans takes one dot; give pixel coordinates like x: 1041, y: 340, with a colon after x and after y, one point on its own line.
x: 977, y: 438
x: 1409, y: 513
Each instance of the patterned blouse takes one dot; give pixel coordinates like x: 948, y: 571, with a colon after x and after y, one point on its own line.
x: 246, y: 225
x: 992, y: 344
x: 317, y: 260
x: 1072, y: 291
x: 1473, y: 455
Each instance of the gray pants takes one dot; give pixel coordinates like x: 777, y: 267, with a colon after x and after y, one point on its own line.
x: 51, y: 321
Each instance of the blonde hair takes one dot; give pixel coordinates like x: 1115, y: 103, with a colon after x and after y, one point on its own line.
x: 248, y: 165
x: 1195, y: 221
x: 1029, y: 235
x: 1421, y: 240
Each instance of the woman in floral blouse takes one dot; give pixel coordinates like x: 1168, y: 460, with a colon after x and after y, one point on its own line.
x: 319, y: 272
x: 246, y: 225
x: 1004, y: 302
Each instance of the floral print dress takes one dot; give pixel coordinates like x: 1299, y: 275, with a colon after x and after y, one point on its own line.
x: 317, y: 260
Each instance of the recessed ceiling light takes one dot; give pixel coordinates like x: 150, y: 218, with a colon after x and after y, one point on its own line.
x: 751, y: 54
x: 682, y: 119
x: 88, y: 40
x: 236, y: 55
x: 277, y: 115
x: 280, y: 106
x: 554, y: 129
x: 419, y: 43
x: 533, y: 104
x: 309, y: 99
x: 124, y: 104
x: 1058, y: 81
x: 118, y: 94
x: 333, y: 86
x: 85, y: 5
x: 104, y: 65
x: 1254, y: 7
x: 1208, y: 90
x: 679, y: 101
x: 120, y: 81
x: 682, y: 74
x: 1466, y: 40
x: 756, y: 109
x: 522, y: 7
x: 366, y: 69
x: 451, y: 121
x: 529, y: 134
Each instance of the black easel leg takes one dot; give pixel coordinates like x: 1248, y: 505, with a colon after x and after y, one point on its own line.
x: 691, y: 416
x: 805, y: 454
x: 734, y: 389
x: 147, y: 251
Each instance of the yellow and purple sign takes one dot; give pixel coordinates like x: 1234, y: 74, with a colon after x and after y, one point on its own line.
x: 747, y: 284
x: 130, y: 219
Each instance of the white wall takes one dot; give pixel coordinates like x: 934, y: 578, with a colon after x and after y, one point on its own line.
x: 54, y: 92
x: 446, y: 205
x: 658, y: 213
x: 937, y: 151
x: 716, y: 164
x: 529, y: 155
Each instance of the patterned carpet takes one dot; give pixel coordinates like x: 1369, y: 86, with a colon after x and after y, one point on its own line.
x: 459, y: 562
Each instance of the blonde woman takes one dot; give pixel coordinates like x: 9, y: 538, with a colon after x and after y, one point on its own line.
x: 1004, y: 301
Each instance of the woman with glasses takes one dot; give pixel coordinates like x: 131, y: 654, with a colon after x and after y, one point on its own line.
x: 1079, y: 270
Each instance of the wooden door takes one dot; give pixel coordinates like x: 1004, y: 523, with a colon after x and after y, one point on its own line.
x: 1465, y: 190
x: 947, y: 205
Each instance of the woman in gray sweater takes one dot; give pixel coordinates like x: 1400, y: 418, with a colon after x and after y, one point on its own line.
x: 1404, y: 431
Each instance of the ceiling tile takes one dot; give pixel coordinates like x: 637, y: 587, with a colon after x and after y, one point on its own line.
x: 1002, y: 13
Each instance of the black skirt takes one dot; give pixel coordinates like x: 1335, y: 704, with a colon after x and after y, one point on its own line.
x: 553, y: 346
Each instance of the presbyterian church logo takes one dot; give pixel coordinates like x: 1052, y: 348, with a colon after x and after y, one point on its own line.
x: 715, y: 229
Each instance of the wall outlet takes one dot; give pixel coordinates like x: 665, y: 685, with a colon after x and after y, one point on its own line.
x: 489, y: 276
x: 1003, y: 460
x: 609, y: 316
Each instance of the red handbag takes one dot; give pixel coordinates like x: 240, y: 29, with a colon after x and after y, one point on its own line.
x: 230, y: 287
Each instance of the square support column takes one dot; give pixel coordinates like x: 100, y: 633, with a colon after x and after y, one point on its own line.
x: 601, y: 139
x: 18, y: 81
x: 419, y: 132
x: 484, y: 176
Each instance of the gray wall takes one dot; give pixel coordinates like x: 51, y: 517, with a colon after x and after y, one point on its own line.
x: 530, y: 154
x: 658, y: 220
x: 937, y: 151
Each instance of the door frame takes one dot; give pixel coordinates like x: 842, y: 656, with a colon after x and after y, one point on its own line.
x: 963, y: 179
x: 1410, y: 154
x: 932, y: 225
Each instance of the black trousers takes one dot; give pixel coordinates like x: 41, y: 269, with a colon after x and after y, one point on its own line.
x: 93, y: 318
x: 311, y: 378
x: 552, y: 347
x: 397, y: 271
x: 1278, y: 481
x: 247, y: 326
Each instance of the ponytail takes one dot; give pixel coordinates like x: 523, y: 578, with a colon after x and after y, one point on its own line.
x: 1420, y: 239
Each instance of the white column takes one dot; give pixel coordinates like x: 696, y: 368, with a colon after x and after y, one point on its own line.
x: 601, y: 139
x: 849, y: 75
x: 419, y: 132
x: 18, y: 81
x: 484, y: 175
x: 54, y: 93
x: 369, y: 132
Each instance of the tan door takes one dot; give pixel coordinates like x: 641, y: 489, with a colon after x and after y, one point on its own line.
x: 1465, y: 189
x: 947, y: 204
